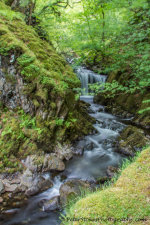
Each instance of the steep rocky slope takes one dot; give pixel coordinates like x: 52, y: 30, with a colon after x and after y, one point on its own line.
x: 38, y: 108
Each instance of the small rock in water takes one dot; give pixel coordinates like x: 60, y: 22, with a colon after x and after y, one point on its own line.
x: 72, y: 188
x: 111, y: 171
x: 101, y: 110
x: 39, y: 184
x: 52, y: 204
x: 11, y: 211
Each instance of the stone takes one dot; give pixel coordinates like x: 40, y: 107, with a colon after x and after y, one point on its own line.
x: 51, y: 162
x: 10, y: 212
x: 38, y: 185
x: 111, y: 170
x: 1, y: 199
x: 29, y: 163
x: 26, y: 180
x: 64, y: 152
x: 131, y: 140
x: 52, y: 204
x: 1, y: 187
x: 44, y: 184
x: 11, y: 187
x: 47, y: 162
x: 72, y: 188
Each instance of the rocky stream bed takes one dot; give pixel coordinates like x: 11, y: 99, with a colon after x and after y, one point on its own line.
x: 40, y: 193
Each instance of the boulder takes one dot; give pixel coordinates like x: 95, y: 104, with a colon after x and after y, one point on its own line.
x: 52, y: 162
x: 52, y: 204
x: 38, y: 185
x: 64, y: 152
x: 11, y: 187
x: 131, y: 140
x: 26, y: 180
x: 72, y: 188
x: 111, y: 170
x: 46, y: 162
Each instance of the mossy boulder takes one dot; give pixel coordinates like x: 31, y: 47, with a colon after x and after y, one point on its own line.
x: 131, y: 140
x: 72, y: 188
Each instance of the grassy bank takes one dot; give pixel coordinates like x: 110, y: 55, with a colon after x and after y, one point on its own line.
x: 128, y: 198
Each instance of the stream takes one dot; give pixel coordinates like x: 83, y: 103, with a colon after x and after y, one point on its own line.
x: 99, y: 153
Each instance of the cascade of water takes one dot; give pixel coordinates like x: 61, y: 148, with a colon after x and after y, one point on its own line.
x: 89, y: 77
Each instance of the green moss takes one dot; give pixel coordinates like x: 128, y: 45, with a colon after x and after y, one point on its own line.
x: 34, y: 62
x: 19, y: 137
x: 48, y: 83
x: 42, y: 94
x: 28, y: 148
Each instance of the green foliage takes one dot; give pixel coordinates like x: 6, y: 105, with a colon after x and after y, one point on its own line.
x: 13, y: 135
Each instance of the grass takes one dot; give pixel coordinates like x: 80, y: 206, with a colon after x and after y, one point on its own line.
x: 127, y: 197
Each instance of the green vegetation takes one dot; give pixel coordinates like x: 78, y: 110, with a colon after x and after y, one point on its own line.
x: 126, y: 198
x: 109, y: 37
x: 54, y: 115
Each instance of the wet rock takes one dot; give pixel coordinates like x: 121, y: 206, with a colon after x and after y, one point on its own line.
x: 35, y: 184
x: 26, y: 180
x: 72, y: 188
x: 47, y: 162
x: 1, y: 199
x: 101, y: 109
x: 90, y: 111
x: 111, y: 170
x: 131, y: 140
x: 11, y: 187
x: 30, y: 163
x: 10, y: 212
x: 51, y: 162
x: 52, y: 205
x: 64, y: 152
x: 44, y: 184
x: 78, y: 148
x: 1, y: 187
x: 102, y: 180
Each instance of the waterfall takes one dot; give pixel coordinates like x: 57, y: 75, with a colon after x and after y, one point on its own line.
x: 89, y: 77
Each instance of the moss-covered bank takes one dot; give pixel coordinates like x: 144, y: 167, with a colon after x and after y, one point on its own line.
x: 38, y: 108
x: 124, y: 104
x: 127, y: 199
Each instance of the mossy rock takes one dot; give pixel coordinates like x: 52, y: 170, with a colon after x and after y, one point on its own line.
x: 131, y: 140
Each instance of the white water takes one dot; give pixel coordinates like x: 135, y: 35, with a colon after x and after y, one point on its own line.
x: 89, y: 77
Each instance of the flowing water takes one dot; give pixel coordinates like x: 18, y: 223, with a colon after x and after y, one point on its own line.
x: 99, y: 153
x: 89, y: 77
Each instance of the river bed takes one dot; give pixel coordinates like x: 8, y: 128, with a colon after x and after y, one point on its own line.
x: 98, y: 153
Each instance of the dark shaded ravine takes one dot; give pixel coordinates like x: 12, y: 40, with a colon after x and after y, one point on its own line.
x: 99, y: 153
